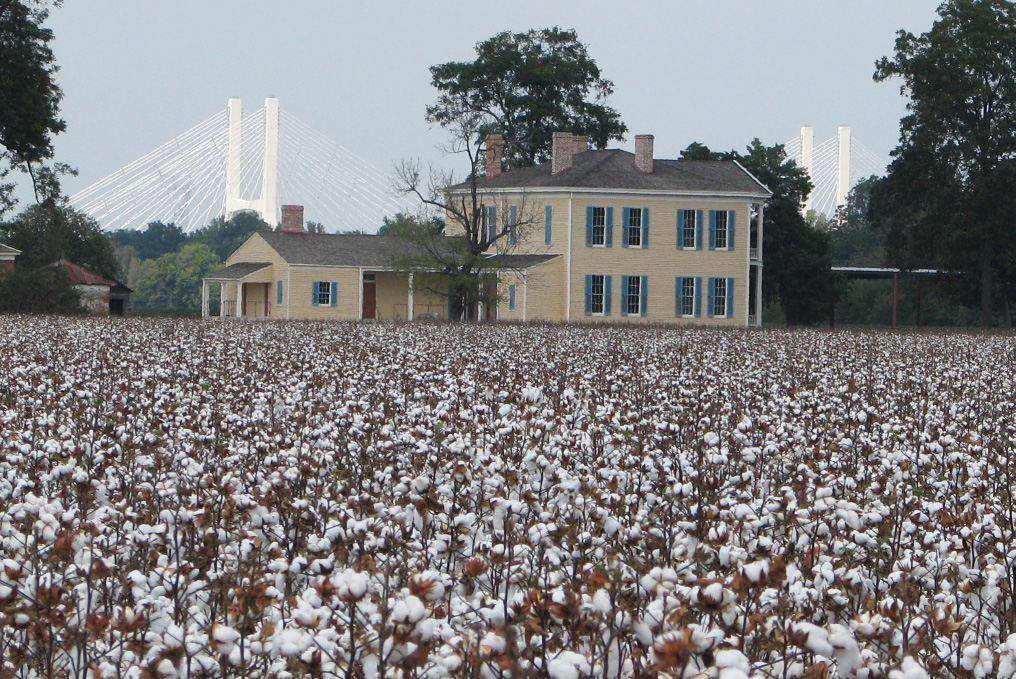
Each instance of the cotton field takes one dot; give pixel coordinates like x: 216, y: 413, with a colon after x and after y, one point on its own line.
x: 228, y: 499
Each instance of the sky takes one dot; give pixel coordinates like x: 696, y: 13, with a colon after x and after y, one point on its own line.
x: 135, y: 74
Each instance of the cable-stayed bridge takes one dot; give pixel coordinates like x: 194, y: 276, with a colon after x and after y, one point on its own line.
x: 233, y: 162
x: 834, y: 165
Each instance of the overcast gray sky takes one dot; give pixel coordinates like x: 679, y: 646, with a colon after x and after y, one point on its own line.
x: 137, y: 73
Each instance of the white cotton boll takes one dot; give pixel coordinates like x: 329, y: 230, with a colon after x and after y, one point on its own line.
x: 290, y: 642
x: 568, y: 665
x: 504, y: 410
x: 711, y: 439
x: 408, y: 611
x: 165, y: 668
x: 222, y: 634
x: 732, y: 658
x: 846, y: 651
x: 909, y: 669
x: 601, y: 601
x: 755, y: 572
x: 817, y: 640
x: 492, y: 644
x: 732, y: 673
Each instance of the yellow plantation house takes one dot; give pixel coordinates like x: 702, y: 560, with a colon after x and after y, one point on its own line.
x: 594, y: 235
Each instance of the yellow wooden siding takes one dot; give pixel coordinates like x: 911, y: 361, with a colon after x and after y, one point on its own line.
x: 301, y: 288
x: 255, y: 249
x: 539, y: 293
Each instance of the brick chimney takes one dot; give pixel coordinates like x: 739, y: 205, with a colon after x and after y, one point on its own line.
x: 561, y: 153
x: 292, y: 219
x: 495, y: 150
x: 580, y: 143
x: 644, y: 153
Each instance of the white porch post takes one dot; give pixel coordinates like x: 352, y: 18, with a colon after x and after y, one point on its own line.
x: 410, y: 296
x: 239, y: 299
x: 204, y: 298
x: 758, y: 267
x: 222, y: 299
x: 525, y: 295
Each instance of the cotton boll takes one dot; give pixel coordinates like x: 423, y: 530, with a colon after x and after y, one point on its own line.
x: 568, y: 665
x: 909, y: 669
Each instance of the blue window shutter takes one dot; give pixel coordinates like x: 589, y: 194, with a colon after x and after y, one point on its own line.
x: 712, y: 229
x: 698, y: 229
x: 278, y: 293
x: 680, y: 229
x: 589, y: 294
x: 698, y: 297
x: 645, y: 227
x: 730, y: 298
x: 731, y: 221
x: 315, y: 289
x: 624, y: 295
x: 548, y: 225
x: 625, y: 225
x: 678, y: 293
x: 513, y: 234
x: 492, y: 222
x: 511, y: 297
x: 644, y: 292
x: 335, y: 293
x: 607, y: 285
x: 710, y: 302
x: 589, y: 227
x: 609, y: 239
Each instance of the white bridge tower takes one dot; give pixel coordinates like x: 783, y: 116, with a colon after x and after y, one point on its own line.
x: 842, y: 170
x: 267, y: 204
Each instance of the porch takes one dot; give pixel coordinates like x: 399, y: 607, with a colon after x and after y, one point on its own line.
x: 244, y: 291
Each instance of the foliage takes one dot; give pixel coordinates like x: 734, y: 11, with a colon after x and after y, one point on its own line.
x: 407, y: 224
x: 797, y: 262
x: 526, y: 86
x: 37, y: 291
x: 29, y: 115
x: 173, y: 281
x: 155, y: 240
x: 223, y: 236
x: 51, y: 231
x: 947, y: 201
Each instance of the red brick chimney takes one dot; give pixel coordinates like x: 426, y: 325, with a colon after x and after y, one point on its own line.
x: 580, y: 143
x: 561, y: 152
x: 292, y: 219
x: 495, y: 150
x: 644, y: 153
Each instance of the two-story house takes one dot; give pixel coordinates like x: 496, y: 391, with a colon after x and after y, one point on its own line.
x: 605, y: 236
x: 615, y: 236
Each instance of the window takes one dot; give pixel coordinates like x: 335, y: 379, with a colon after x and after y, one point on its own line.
x: 324, y: 293
x: 719, y: 297
x: 599, y: 226
x: 687, y: 296
x: 596, y: 294
x: 721, y: 230
x: 548, y: 225
x: 490, y: 221
x: 633, y: 296
x: 688, y: 228
x: 634, y: 228
x: 278, y: 293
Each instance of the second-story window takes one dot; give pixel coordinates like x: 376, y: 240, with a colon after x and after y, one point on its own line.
x: 634, y: 228
x: 599, y: 226
x: 688, y: 236
x: 721, y: 230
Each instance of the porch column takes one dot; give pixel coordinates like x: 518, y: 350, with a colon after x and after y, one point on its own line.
x: 204, y: 298
x: 239, y: 299
x: 525, y: 295
x: 222, y: 299
x: 410, y: 296
x: 758, y: 269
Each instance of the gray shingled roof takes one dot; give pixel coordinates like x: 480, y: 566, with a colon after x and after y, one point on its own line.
x: 7, y: 250
x: 325, y: 249
x: 235, y: 272
x: 521, y: 261
x: 615, y: 169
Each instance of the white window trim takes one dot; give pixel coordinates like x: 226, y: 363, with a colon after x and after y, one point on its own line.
x: 719, y: 299
x: 726, y: 231
x: 633, y: 281
x: 694, y: 294
x: 603, y: 295
x: 603, y: 229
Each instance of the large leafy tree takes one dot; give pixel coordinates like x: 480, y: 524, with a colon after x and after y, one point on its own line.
x: 156, y: 240
x: 29, y: 98
x: 50, y: 231
x: 173, y: 281
x: 525, y: 86
x: 224, y: 236
x: 948, y: 199
x: 797, y: 273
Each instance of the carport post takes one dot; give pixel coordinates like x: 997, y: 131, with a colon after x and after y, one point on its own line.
x: 896, y: 287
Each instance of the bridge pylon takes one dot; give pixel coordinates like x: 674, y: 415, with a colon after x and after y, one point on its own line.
x: 267, y: 203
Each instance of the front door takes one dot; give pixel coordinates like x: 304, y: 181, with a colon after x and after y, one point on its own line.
x: 369, y: 295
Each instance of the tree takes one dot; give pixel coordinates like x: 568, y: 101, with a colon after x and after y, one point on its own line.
x: 51, y: 231
x: 526, y: 86
x: 405, y: 224
x: 224, y: 236
x: 798, y: 274
x: 947, y: 200
x: 173, y: 281
x: 854, y: 241
x: 156, y: 240
x: 29, y: 115
x: 38, y: 291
